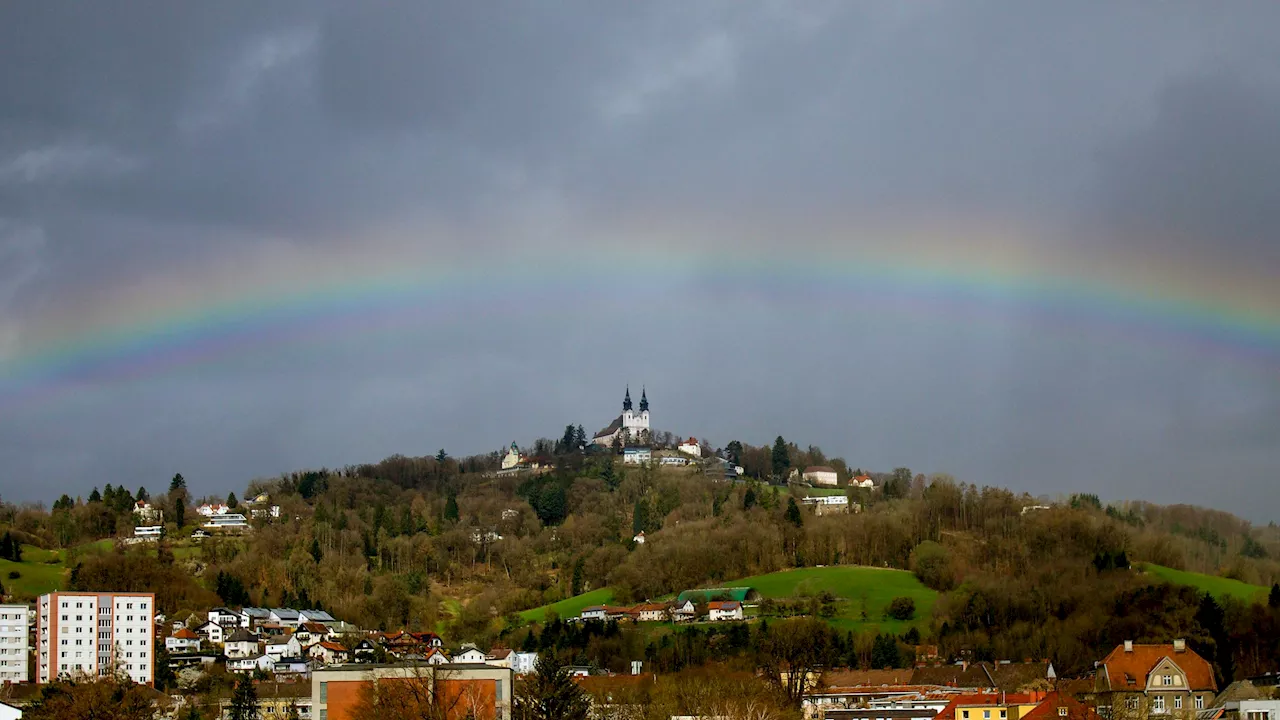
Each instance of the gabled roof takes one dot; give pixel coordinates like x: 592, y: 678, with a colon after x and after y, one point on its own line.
x: 242, y: 635
x: 499, y: 654
x: 185, y: 634
x: 1051, y: 709
x: 724, y: 605
x: 333, y: 647
x: 284, y: 613
x: 614, y: 427
x: 313, y: 627
x: 1121, y: 666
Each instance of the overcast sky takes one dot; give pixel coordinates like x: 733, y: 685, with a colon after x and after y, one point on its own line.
x: 692, y: 196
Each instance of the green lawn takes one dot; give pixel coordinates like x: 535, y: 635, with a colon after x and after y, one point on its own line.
x: 858, y: 587
x: 1219, y: 587
x: 35, y: 578
x: 569, y: 607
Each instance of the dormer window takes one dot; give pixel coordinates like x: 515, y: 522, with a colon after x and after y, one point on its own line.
x: 1062, y: 712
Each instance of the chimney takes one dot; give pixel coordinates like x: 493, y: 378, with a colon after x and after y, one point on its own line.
x: 1128, y: 646
x: 1180, y: 645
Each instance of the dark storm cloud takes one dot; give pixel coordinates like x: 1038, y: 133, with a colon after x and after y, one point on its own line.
x: 160, y: 140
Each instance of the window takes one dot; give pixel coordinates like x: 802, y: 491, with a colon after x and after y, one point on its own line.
x: 1167, y: 680
x: 1199, y: 702
x: 986, y: 715
x: 1062, y: 712
x: 324, y: 696
x: 1157, y: 704
x: 1177, y: 702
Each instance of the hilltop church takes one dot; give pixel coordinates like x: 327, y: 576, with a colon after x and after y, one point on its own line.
x: 631, y: 426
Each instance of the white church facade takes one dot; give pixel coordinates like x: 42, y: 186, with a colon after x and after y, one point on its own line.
x: 631, y: 427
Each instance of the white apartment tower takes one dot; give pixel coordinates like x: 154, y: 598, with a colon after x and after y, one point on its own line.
x: 87, y: 633
x: 14, y: 643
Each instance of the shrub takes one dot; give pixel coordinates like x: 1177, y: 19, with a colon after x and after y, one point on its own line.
x: 902, y: 608
x: 14, y: 574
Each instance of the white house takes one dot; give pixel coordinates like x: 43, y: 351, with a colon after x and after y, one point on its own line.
x: 595, y: 612
x: 284, y: 647
x: 639, y: 538
x: 291, y: 666
x: 436, y: 656
x: 147, y: 512
x: 249, y: 664
x: 229, y: 618
x: 329, y: 653
x: 285, y: 616
x: 691, y: 447
x: 862, y: 481
x: 470, y: 654
x: 499, y: 657
x: 636, y: 455
x: 821, y: 475
x: 182, y: 641
x: 319, y: 616
x: 272, y: 512
x: 522, y: 663
x: 227, y: 521
x: 512, y: 459
x: 724, y: 610
x: 208, y: 510
x: 212, y: 631
x: 684, y: 611
x: 678, y: 460
x: 240, y: 644
x: 149, y: 532
x: 651, y: 612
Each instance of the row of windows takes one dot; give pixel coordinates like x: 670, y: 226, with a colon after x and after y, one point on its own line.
x: 1159, y: 705
x: 127, y: 606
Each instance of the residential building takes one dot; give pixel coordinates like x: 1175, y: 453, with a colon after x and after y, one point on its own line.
x: 241, y: 644
x: 1136, y: 680
x: 15, y: 644
x: 523, y: 663
x: 149, y: 532
x: 275, y: 700
x: 651, y: 612
x: 212, y: 631
x: 88, y: 633
x: 436, y: 656
x: 10, y: 712
x: 364, y: 650
x: 676, y: 460
x: 228, y: 618
x: 317, y: 616
x: 284, y: 647
x: 500, y: 657
x: 249, y: 664
x: 182, y: 641
x: 719, y: 610
x: 286, y: 617
x: 329, y: 653
x: 291, y: 666
x: 272, y: 511
x: 638, y: 538
x: 636, y: 455
x: 227, y: 521
x: 482, y: 692
x: 257, y: 615
x: 691, y: 447
x: 862, y: 481
x: 684, y: 611
x: 309, y: 632
x: 470, y: 655
x: 827, y: 504
x: 594, y: 612
x: 821, y: 475
x: 147, y: 512
x: 1259, y: 710
x: 208, y: 510
x: 991, y: 706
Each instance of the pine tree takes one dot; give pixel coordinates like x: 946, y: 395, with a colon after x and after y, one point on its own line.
x: 441, y: 456
x: 6, y: 546
x: 315, y: 550
x: 550, y: 694
x: 640, y: 517
x: 579, y: 438
x: 143, y: 494
x: 1273, y: 599
x: 244, y: 700
x: 749, y: 500
x: 178, y: 483
x: 451, y: 508
x: 232, y: 502
x: 609, y: 475
x: 96, y: 496
x: 793, y: 513
x: 780, y: 458
x: 576, y: 588
x: 180, y: 512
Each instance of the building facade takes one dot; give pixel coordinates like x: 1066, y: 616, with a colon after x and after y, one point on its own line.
x: 92, y: 633
x: 14, y: 644
x: 455, y: 692
x: 1135, y: 682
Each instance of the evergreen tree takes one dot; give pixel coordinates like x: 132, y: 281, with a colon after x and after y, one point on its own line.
x: 579, y: 438
x: 244, y: 700
x: 609, y: 475
x: 884, y: 653
x: 566, y: 441
x: 96, y: 496
x: 733, y: 452
x: 640, y: 517
x: 576, y: 587
x: 549, y: 694
x: 441, y: 456
x: 780, y: 458
x: 6, y: 546
x: 749, y: 500
x: 177, y: 483
x: 315, y: 550
x: 232, y: 502
x: 793, y: 513
x: 451, y: 508
x: 143, y: 494
x: 180, y: 512
x: 1273, y: 599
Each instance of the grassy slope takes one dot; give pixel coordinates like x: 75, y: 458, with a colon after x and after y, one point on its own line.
x: 876, y: 586
x: 37, y: 575
x: 569, y: 607
x: 1216, y: 586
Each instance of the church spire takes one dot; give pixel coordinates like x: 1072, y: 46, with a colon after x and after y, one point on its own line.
x: 626, y: 401
x: 644, y: 401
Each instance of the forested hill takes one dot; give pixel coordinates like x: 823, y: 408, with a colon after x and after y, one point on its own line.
x: 453, y: 545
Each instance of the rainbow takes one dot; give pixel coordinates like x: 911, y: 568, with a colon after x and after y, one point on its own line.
x: 139, y: 336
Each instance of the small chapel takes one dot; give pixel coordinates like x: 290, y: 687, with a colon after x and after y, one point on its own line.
x: 631, y: 426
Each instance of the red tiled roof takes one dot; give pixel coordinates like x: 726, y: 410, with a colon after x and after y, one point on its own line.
x: 333, y: 647
x: 313, y: 627
x: 986, y: 700
x: 728, y: 605
x: 185, y: 634
x: 1049, y: 708
x: 1120, y: 666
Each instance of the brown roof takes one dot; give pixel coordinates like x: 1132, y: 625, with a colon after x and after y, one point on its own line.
x: 185, y: 634
x: 1051, y: 709
x: 650, y: 607
x: 1016, y: 677
x: 1124, y: 669
x: 499, y: 653
x: 332, y: 647
x: 723, y: 605
x: 854, y: 678
x: 1010, y: 677
x: 988, y: 699
x: 614, y: 427
x: 314, y: 627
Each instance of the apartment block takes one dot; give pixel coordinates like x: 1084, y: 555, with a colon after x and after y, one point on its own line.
x: 14, y: 643
x: 89, y: 633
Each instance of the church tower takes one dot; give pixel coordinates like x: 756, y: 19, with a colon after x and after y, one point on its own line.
x: 644, y: 409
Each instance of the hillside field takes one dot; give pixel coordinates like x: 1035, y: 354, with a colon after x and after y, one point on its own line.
x: 569, y: 607
x: 1219, y: 587
x: 43, y: 571
x: 859, y: 587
